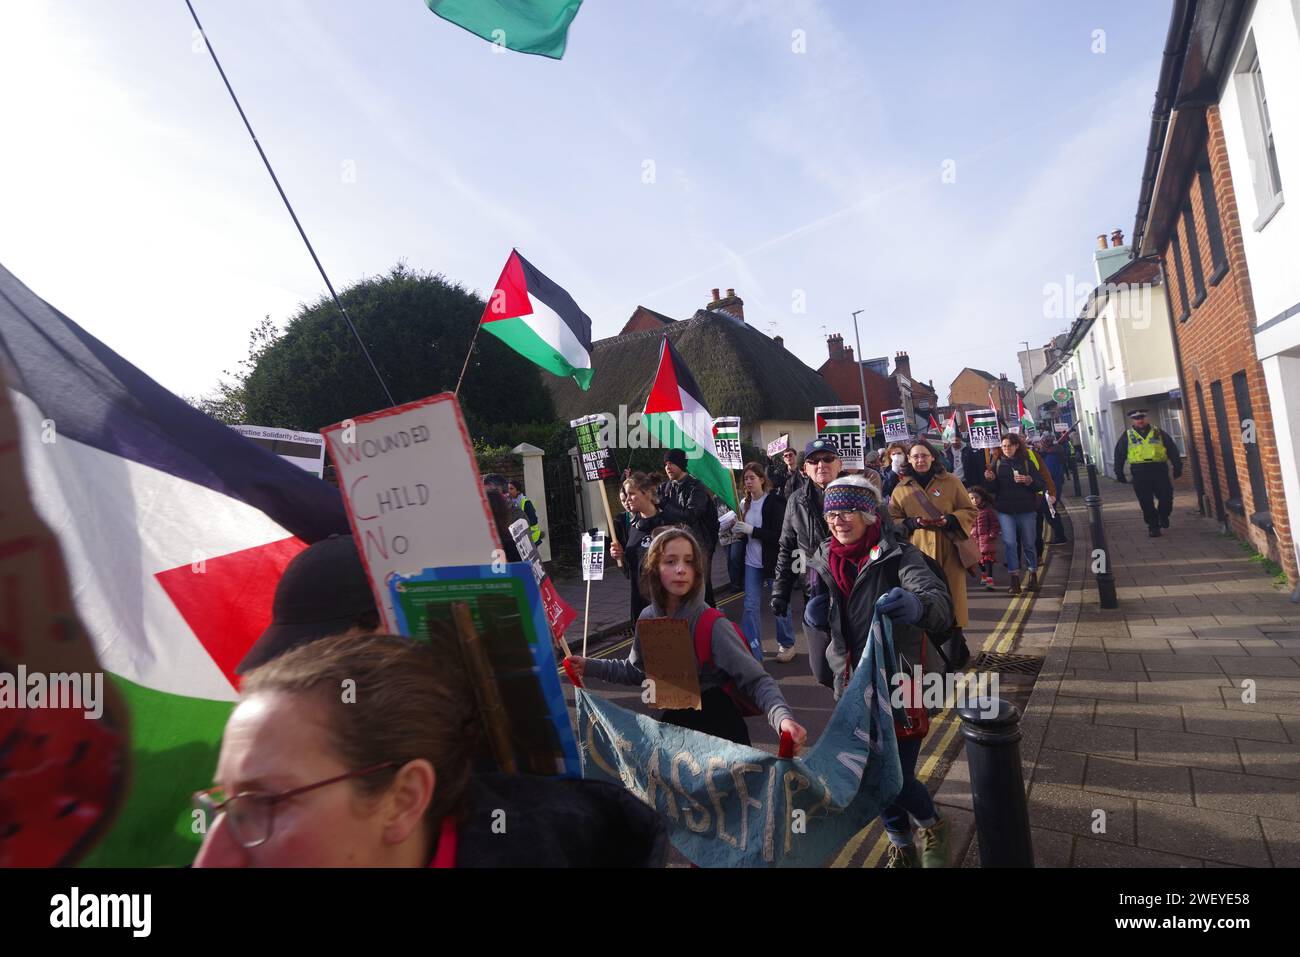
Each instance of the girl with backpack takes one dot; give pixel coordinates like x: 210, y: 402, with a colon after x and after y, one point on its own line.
x: 870, y: 568
x: 731, y: 680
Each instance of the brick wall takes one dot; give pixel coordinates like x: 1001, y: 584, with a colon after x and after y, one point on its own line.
x: 1217, y: 340
x: 969, y: 387
x: 842, y: 376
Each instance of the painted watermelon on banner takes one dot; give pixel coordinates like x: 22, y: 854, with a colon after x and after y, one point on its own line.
x: 173, y: 548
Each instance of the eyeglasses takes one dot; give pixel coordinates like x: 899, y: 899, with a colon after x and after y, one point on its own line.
x: 821, y: 460
x: 251, y: 814
x: 836, y: 517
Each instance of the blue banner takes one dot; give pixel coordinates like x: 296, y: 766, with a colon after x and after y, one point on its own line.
x: 727, y: 805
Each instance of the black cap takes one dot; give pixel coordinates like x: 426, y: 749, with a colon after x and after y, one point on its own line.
x: 322, y: 592
x: 820, y: 445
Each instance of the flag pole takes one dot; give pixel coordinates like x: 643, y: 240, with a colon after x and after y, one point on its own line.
x: 461, y: 378
x: 294, y: 216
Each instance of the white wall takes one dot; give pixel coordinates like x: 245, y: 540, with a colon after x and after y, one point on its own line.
x: 1282, y: 377
x: 1272, y: 252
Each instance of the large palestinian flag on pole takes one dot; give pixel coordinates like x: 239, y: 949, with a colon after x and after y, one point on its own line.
x: 175, y: 530
x: 675, y: 414
x: 540, y: 321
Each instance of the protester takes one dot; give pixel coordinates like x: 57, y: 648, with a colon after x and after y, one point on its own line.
x: 802, y: 531
x: 924, y: 489
x: 515, y: 494
x: 871, y: 463
x: 384, y: 777
x: 689, y: 495
x: 732, y: 543
x: 966, y: 463
x: 323, y: 591
x: 786, y: 477
x: 764, y: 513
x: 503, y: 516
x: 987, y: 531
x: 893, y: 462
x: 1015, y: 484
x: 868, y: 567
x: 647, y: 518
x: 1146, y: 449
x: 1052, y: 460
x: 673, y: 577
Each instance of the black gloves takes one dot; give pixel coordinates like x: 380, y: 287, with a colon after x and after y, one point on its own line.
x: 780, y: 606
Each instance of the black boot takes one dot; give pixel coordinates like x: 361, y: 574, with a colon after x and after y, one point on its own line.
x: 1164, y: 522
x: 1153, y: 531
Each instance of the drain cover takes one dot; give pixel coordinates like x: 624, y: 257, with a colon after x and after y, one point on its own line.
x: 1008, y: 664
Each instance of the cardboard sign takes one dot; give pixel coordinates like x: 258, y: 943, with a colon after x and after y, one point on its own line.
x: 559, y: 613
x: 895, y: 424
x: 669, y: 656
x: 593, y: 556
x: 596, y: 458
x: 841, y: 425
x: 517, y: 686
x: 304, y: 449
x: 726, y: 439
x: 412, y: 491
x: 777, y: 446
x: 983, y: 426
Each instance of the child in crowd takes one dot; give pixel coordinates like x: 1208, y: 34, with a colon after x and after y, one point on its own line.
x: 987, y: 531
x: 672, y: 577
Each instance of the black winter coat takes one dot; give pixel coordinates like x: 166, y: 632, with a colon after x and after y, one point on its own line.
x: 898, y: 564
x: 1012, y: 497
x: 802, y: 530
x: 769, y: 533
x: 694, y: 506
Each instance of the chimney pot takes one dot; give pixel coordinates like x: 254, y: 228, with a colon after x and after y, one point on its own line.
x: 1101, y: 244
x: 731, y: 294
x: 780, y: 341
x: 1117, y: 238
x: 715, y: 296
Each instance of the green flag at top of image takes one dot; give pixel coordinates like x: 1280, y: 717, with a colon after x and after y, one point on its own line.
x: 525, y: 26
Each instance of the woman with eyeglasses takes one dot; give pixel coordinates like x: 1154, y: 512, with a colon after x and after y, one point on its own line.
x: 359, y: 752
x: 932, y: 504
x: 869, y: 567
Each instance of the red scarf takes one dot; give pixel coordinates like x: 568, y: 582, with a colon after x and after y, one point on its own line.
x: 846, y: 560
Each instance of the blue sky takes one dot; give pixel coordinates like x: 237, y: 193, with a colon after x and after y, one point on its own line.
x: 134, y: 201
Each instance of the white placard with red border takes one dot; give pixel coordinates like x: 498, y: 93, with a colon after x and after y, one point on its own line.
x: 412, y: 492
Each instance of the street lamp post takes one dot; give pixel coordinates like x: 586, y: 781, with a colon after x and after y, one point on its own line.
x: 862, y: 377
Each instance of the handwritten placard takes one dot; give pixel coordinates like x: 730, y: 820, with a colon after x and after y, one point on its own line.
x: 670, y: 663
x: 389, y: 465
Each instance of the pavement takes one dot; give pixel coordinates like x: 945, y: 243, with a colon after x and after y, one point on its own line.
x: 1164, y: 733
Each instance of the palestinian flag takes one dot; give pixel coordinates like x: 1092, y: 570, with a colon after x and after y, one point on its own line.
x: 540, y: 321
x: 676, y: 416
x: 525, y: 26
x: 950, y: 430
x: 934, y: 425
x: 838, y: 419
x: 175, y: 530
x: 1026, y: 420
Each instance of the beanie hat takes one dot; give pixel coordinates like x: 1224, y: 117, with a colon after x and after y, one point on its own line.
x: 676, y: 457
x: 851, y: 493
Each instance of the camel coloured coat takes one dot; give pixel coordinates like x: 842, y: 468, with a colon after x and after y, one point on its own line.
x: 946, y: 493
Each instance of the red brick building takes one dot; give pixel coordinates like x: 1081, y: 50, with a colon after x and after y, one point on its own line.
x: 1188, y: 218
x: 840, y: 370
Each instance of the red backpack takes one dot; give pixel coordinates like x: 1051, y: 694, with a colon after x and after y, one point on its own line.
x: 704, y: 655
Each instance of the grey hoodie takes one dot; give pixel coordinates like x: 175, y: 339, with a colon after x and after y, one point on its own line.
x: 731, y: 659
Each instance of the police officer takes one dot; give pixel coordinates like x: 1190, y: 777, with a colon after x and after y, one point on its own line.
x: 1146, y: 450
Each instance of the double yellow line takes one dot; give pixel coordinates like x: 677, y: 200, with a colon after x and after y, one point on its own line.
x: 945, y: 727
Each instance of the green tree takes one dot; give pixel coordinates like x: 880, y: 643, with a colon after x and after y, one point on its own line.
x: 417, y: 326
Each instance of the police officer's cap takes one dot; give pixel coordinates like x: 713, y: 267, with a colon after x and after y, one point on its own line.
x: 1138, y: 414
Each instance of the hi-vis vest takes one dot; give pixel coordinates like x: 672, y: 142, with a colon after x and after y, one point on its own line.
x: 534, y: 530
x: 1142, y: 451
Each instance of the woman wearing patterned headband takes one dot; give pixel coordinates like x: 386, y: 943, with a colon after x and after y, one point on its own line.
x: 867, y: 566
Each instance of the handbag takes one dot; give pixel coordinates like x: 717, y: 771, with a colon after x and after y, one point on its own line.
x: 968, y: 550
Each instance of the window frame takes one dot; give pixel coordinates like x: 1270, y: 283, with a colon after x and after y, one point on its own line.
x: 1179, y: 273
x: 1193, y: 252
x: 1213, y: 224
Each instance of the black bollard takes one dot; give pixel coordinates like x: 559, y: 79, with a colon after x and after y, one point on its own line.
x: 1074, y: 471
x: 996, y: 782
x: 1105, y: 578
